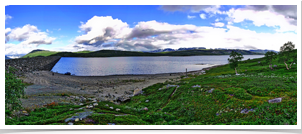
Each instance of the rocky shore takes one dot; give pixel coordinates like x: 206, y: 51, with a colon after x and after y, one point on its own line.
x: 25, y: 65
x: 48, y: 87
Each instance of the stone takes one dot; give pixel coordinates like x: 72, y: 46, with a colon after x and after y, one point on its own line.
x: 81, y: 104
x: 117, y: 109
x: 146, y: 109
x: 111, y: 107
x: 107, y: 105
x: 95, y: 104
x: 275, y: 65
x: 70, y: 123
x: 210, y: 91
x: 71, y: 109
x: 147, y: 101
x: 196, y: 86
x: 77, y: 119
x: 111, y: 124
x: 67, y: 73
x: 276, y: 100
x: 94, y: 101
x: 137, y: 92
x: 78, y: 116
x: 24, y: 111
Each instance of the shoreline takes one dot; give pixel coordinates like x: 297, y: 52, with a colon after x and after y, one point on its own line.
x: 47, y: 88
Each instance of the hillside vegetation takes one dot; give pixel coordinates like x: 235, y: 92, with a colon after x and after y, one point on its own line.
x: 215, y: 98
x: 115, y: 53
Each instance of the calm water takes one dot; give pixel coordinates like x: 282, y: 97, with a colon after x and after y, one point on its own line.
x: 138, y: 65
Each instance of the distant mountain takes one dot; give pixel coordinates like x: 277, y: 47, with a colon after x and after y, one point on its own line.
x: 7, y: 58
x: 262, y: 51
x: 179, y: 49
x: 14, y: 56
x: 36, y: 50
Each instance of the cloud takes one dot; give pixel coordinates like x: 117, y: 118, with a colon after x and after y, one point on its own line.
x: 183, y: 8
x: 28, y: 34
x: 202, y: 16
x: 257, y: 7
x: 7, y: 17
x: 218, y: 24
x: 264, y: 15
x: 98, y: 30
x: 108, y: 33
x: 154, y: 28
x: 191, y: 17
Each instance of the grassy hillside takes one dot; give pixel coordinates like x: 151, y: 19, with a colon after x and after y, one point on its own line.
x: 113, y: 53
x: 215, y: 98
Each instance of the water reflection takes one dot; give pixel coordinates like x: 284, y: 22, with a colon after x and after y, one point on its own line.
x: 138, y: 65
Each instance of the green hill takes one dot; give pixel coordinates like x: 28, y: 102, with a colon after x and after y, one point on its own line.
x: 115, y: 53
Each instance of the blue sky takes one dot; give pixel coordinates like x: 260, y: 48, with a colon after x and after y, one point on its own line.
x: 147, y: 27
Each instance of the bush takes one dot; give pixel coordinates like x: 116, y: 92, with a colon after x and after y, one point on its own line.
x: 14, y: 90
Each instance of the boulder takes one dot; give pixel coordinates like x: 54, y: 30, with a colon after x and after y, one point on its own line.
x: 137, y: 92
x: 147, y: 101
x: 122, y: 99
x: 117, y: 109
x: 67, y: 73
x: 146, y: 109
x: 196, y: 86
x: 276, y: 100
x: 275, y: 65
x: 210, y: 91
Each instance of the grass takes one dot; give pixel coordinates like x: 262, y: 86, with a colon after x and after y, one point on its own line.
x: 196, y: 106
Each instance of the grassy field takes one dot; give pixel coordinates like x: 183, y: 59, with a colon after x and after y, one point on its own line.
x: 216, y: 98
x: 113, y: 53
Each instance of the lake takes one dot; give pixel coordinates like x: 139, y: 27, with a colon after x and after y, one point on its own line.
x: 138, y: 65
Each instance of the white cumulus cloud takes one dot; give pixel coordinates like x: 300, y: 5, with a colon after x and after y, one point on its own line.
x: 191, y: 17
x: 202, y: 16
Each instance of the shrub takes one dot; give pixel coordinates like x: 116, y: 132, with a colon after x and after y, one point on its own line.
x: 14, y: 90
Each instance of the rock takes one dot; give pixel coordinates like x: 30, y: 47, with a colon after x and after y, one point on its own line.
x: 210, y: 91
x: 81, y: 104
x: 94, y: 101
x: 78, y: 116
x: 275, y: 65
x: 122, y: 99
x: 77, y: 119
x: 72, y: 97
x: 117, y: 109
x: 77, y: 97
x: 67, y: 73
x: 147, y: 101
x: 24, y: 111
x: 259, y: 62
x: 71, y: 109
x: 146, y: 109
x: 89, y: 106
x: 196, y: 86
x: 137, y: 92
x: 95, y: 104
x: 276, y: 100
x: 245, y: 111
x: 159, y: 89
x: 111, y: 107
x: 107, y: 105
x: 111, y: 124
x: 70, y: 123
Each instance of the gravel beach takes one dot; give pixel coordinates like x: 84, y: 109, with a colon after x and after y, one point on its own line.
x: 54, y: 87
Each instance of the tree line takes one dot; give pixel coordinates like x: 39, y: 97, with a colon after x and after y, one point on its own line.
x: 286, y: 56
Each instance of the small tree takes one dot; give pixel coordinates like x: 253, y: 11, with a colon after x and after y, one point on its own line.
x: 234, y: 60
x: 14, y: 90
x: 269, y: 56
x: 286, y: 53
